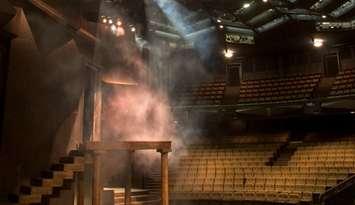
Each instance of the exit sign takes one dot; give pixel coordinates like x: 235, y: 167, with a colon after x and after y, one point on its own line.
x: 239, y: 38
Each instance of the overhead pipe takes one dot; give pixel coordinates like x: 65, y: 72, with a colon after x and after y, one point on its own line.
x: 273, y: 24
x: 167, y: 35
x: 320, y: 4
x: 265, y: 15
x: 162, y: 25
x: 199, y: 32
x: 343, y: 9
x: 240, y: 30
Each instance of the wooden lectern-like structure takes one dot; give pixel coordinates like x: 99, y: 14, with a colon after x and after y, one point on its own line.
x: 94, y: 146
x: 97, y: 149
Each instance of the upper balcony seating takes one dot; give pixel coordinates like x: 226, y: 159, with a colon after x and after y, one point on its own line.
x: 239, y: 171
x: 344, y: 83
x: 206, y: 93
x: 287, y: 89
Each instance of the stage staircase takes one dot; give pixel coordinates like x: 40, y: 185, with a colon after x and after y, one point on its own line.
x: 285, y: 154
x: 50, y: 183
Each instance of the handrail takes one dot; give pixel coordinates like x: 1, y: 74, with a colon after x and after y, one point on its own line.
x: 252, y: 106
x: 338, y: 188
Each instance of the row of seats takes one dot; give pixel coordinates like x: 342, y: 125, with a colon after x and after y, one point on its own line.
x: 227, y: 172
x: 296, y: 77
x: 269, y: 196
x: 278, y: 89
x: 344, y: 83
x: 206, y: 93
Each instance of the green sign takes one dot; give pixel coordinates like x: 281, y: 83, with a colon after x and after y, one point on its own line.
x: 239, y: 38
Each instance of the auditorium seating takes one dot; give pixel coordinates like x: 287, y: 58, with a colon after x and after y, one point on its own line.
x: 239, y: 171
x: 344, y: 83
x: 286, y: 89
x: 206, y: 93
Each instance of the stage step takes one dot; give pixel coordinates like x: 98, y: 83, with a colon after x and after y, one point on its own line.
x: 51, y: 182
x: 25, y: 199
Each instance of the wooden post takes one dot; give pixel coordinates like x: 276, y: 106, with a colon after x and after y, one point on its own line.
x: 128, y: 187
x: 96, y: 178
x: 164, y: 178
x: 80, y: 188
x: 96, y: 132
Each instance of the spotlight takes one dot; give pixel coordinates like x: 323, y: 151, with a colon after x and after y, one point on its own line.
x: 133, y: 29
x: 119, y: 23
x: 318, y: 42
x: 104, y: 20
x: 219, y: 20
x: 110, y: 21
x: 228, y: 53
x: 324, y: 16
x: 246, y: 5
x: 265, y: 1
x: 120, y: 31
x: 113, y: 28
x: 221, y: 26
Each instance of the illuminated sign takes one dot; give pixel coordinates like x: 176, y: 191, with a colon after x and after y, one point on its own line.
x: 239, y: 38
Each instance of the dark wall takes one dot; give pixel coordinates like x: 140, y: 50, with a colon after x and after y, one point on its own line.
x: 5, y: 43
x: 293, y: 62
x: 41, y: 104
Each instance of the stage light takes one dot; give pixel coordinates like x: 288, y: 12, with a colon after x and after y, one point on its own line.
x: 120, y: 31
x: 113, y: 28
x: 324, y: 16
x: 133, y: 29
x: 110, y: 21
x: 246, y: 5
x: 119, y: 23
x: 265, y: 1
x: 221, y: 26
x: 219, y: 21
x: 104, y: 20
x: 318, y: 42
x: 228, y: 53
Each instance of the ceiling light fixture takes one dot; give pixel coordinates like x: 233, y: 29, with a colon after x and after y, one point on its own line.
x: 318, y: 42
x: 228, y: 53
x: 246, y: 5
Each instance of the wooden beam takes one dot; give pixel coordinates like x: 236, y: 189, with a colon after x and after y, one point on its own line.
x: 129, y: 145
x: 61, y: 19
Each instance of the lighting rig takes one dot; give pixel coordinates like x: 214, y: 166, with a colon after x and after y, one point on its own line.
x: 116, y: 25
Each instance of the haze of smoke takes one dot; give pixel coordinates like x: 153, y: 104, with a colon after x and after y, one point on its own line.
x: 142, y: 112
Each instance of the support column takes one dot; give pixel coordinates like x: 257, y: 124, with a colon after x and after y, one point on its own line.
x: 164, y: 178
x: 96, y: 132
x: 80, y: 188
x: 128, y: 187
x: 96, y: 178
